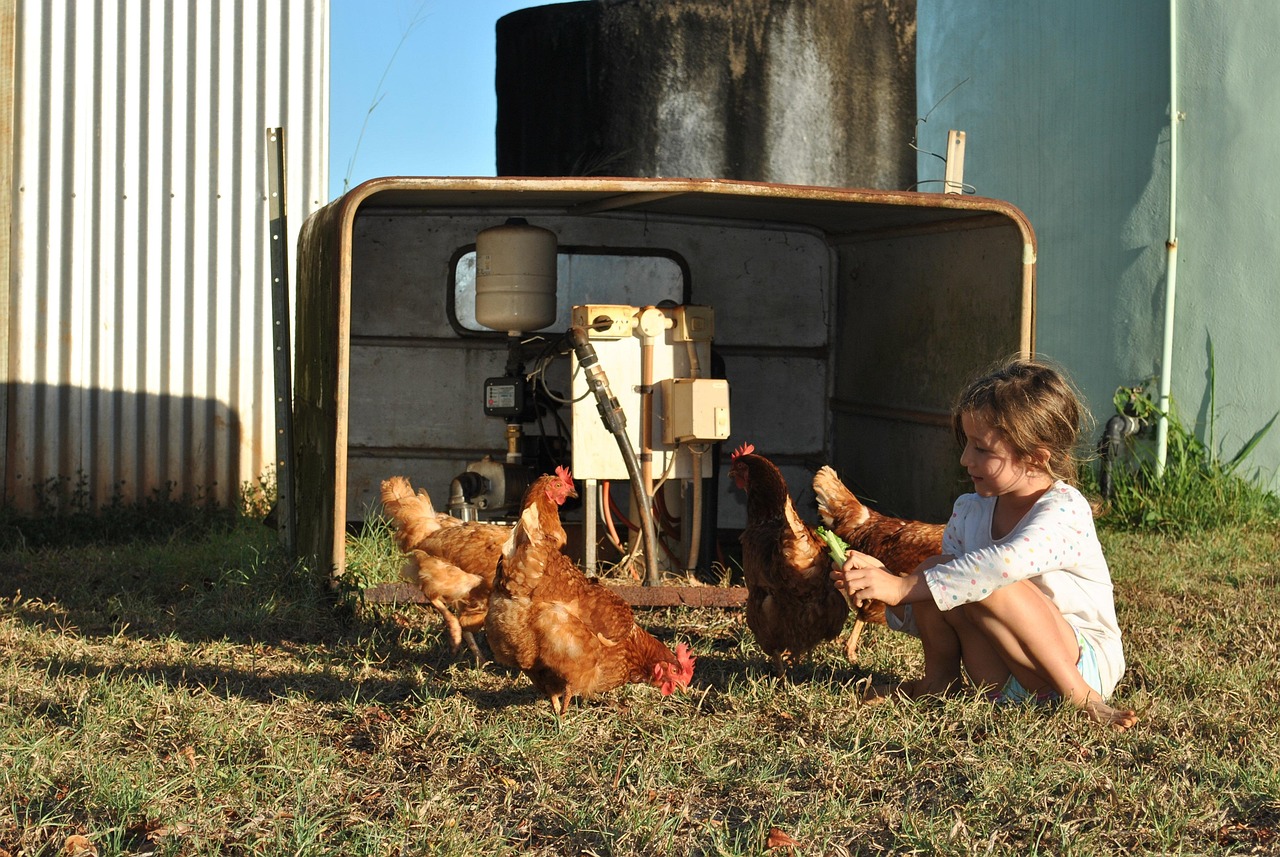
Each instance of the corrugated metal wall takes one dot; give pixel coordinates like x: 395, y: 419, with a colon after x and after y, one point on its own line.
x: 138, y: 326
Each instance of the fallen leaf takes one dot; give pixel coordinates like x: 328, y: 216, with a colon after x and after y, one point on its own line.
x: 79, y: 846
x: 779, y: 839
x: 153, y: 830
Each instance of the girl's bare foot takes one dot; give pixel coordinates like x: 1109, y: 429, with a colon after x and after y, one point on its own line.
x: 1117, y: 718
x: 919, y: 688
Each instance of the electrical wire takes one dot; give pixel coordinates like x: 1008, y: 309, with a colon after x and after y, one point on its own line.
x: 636, y: 528
x: 964, y: 186
x: 607, y: 519
x: 606, y: 516
x: 915, y: 135
x: 538, y: 375
x: 668, y: 521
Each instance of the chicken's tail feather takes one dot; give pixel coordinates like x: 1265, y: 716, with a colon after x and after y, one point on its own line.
x: 836, y: 503
x: 412, y: 512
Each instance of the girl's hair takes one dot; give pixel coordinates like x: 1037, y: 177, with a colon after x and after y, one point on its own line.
x: 1034, y: 406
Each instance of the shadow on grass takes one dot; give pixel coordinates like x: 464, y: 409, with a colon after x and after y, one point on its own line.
x: 287, y: 633
x: 231, y: 682
x: 234, y: 586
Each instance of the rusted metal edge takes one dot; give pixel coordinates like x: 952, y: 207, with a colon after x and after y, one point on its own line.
x: 682, y: 596
x: 636, y: 596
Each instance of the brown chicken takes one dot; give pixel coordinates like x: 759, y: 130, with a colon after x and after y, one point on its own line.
x: 898, y: 543
x: 570, y: 635
x: 792, y: 604
x: 452, y: 561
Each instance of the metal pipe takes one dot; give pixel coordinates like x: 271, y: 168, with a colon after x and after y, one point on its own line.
x: 589, y: 499
x: 464, y: 487
x: 651, y: 323
x: 646, y: 419
x: 694, y: 522
x: 1171, y: 245
x: 695, y: 481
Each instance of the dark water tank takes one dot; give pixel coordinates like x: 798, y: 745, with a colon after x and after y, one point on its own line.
x: 818, y: 92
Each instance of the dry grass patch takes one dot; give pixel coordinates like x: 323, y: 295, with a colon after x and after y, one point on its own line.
x: 208, y: 698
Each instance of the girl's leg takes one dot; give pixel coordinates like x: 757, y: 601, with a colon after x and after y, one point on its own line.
x: 983, y: 662
x: 1038, y: 647
x: 941, y: 651
x: 941, y: 657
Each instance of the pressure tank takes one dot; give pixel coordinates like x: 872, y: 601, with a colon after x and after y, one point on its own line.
x: 516, y: 277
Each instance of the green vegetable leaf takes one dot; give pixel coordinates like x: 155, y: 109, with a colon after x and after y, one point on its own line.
x: 836, y: 546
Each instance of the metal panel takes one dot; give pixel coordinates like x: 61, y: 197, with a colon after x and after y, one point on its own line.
x: 917, y: 317
x: 139, y: 333
x: 798, y: 276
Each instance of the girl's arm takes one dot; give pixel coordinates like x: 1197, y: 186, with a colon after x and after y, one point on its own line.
x: 864, y: 577
x: 1048, y: 538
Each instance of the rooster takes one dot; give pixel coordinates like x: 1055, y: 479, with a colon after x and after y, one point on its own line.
x: 453, y: 561
x: 792, y: 604
x: 570, y: 635
x: 900, y: 544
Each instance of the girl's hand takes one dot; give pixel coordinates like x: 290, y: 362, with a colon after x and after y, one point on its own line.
x: 864, y: 578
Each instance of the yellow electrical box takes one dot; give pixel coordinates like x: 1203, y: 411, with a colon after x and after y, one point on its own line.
x: 692, y: 323
x: 605, y: 321
x: 697, y: 409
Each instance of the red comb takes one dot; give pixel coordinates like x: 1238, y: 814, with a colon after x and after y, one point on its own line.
x: 745, y: 449
x: 686, y: 660
x: 565, y: 476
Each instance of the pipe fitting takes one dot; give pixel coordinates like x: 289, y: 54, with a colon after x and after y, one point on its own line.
x: 1116, y: 430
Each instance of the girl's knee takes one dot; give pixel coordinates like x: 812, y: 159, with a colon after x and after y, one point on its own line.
x: 1016, y: 599
x: 962, y: 617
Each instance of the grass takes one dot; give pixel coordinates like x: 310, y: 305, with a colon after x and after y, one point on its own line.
x: 193, y: 693
x: 202, y: 696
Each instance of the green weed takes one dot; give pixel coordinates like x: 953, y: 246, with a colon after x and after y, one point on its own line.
x: 1199, y: 489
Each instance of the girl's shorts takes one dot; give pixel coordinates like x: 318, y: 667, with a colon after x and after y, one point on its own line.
x: 1013, y: 692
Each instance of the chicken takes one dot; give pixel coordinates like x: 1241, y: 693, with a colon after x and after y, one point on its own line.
x: 792, y: 604
x: 898, y: 543
x: 452, y: 561
x: 415, y: 518
x: 570, y: 635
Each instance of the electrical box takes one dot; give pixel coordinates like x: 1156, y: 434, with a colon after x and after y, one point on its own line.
x: 605, y: 321
x: 691, y: 323
x: 697, y: 409
x: 617, y: 334
x: 505, y: 397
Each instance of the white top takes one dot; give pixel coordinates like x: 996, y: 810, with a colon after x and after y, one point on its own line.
x: 1055, y: 547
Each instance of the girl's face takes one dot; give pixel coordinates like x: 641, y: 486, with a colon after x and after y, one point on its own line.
x: 992, y: 463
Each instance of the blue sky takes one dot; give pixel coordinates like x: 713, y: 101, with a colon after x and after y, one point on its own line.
x: 433, y: 113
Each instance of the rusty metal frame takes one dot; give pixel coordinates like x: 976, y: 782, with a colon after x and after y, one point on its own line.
x: 321, y: 398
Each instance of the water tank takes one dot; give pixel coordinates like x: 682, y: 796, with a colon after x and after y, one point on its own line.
x: 810, y: 92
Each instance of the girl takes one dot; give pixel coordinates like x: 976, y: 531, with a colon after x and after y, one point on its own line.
x: 1021, y: 596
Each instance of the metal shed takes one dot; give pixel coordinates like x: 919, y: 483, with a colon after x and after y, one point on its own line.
x: 136, y: 325
x: 846, y: 321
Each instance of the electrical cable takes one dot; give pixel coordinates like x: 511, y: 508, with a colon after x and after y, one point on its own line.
x: 635, y: 528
